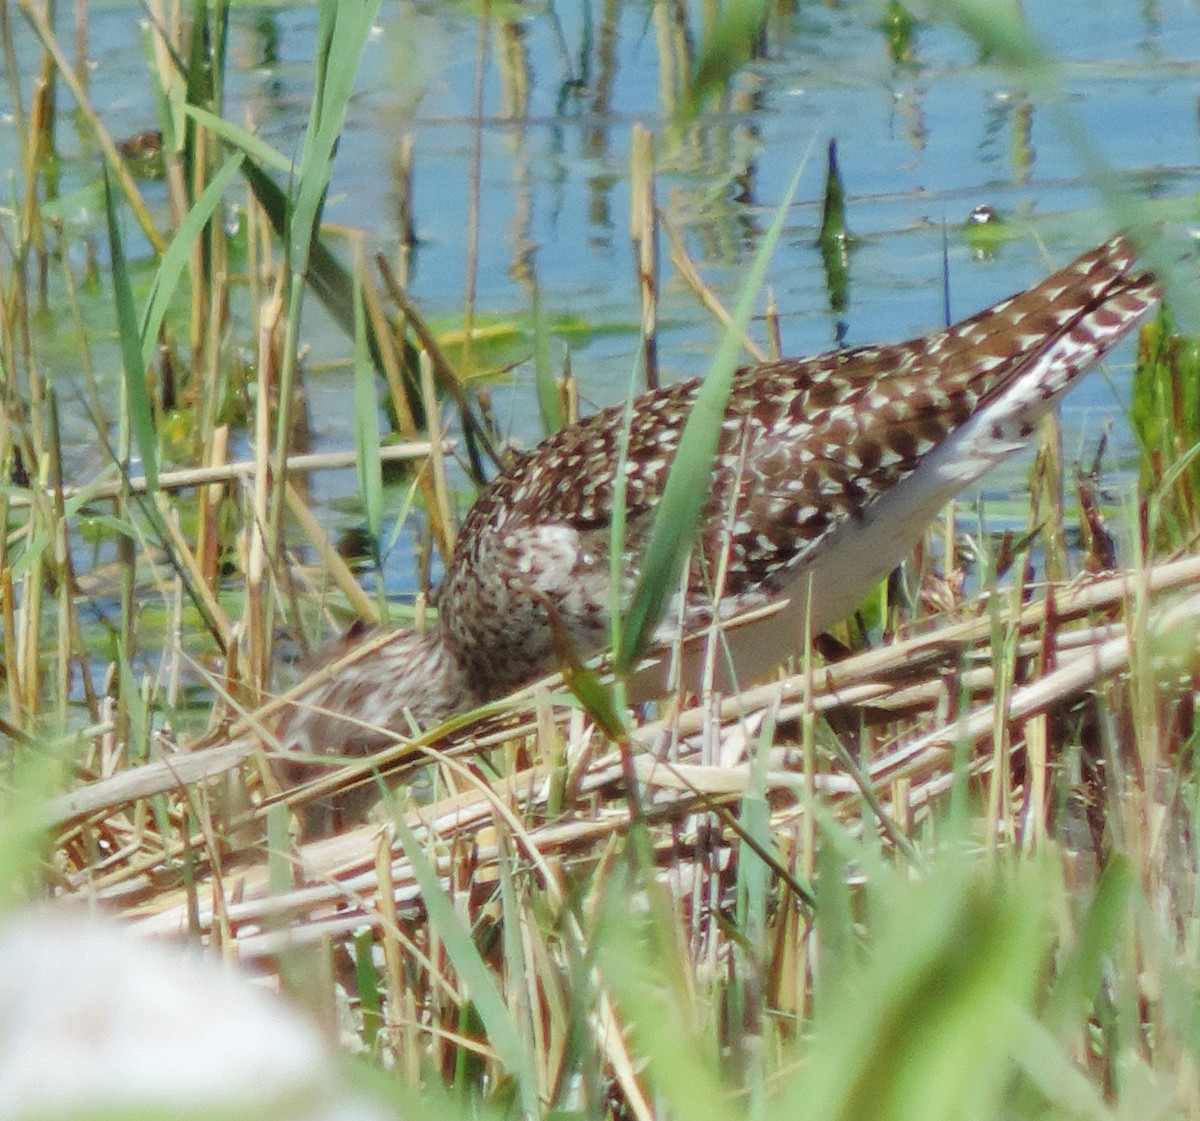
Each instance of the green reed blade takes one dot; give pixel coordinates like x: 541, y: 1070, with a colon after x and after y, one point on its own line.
x: 368, y: 464
x: 137, y: 395
x: 678, y: 516
x: 178, y: 254
x: 502, y: 1031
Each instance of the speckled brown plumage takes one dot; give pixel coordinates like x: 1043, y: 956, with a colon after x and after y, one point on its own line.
x: 829, y: 468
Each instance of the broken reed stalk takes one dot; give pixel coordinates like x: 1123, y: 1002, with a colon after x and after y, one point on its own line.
x: 643, y: 231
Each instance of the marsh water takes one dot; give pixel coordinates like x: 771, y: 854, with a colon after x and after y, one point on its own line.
x: 513, y: 125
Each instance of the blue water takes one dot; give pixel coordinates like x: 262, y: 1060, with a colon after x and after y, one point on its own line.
x: 921, y: 143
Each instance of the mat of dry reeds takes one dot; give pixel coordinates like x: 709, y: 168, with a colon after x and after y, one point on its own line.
x: 1000, y: 696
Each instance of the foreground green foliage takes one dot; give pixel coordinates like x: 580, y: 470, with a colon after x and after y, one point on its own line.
x: 950, y: 879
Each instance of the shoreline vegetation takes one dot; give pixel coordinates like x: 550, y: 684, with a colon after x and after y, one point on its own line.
x: 945, y: 866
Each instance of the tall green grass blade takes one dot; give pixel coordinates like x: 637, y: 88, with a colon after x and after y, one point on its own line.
x: 728, y: 46
x: 1047, y: 1066
x: 31, y: 774
x: 1081, y: 974
x: 333, y: 284
x: 197, y: 86
x: 834, y: 916
x: 687, y: 489
x: 257, y: 149
x: 368, y: 463
x: 177, y: 256
x: 549, y: 401
x: 502, y: 1032
x: 369, y: 997
x: 639, y: 962
x: 1165, y: 415
x: 342, y: 33
x: 137, y: 395
x: 329, y: 281
x: 926, y: 1025
x: 327, y: 277
x: 596, y: 697
x: 138, y: 412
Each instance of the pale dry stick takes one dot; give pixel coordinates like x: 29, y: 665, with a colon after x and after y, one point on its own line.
x: 343, y: 867
x: 775, y: 333
x: 723, y: 781
x: 474, y: 184
x: 70, y: 632
x: 674, y: 57
x: 687, y: 270
x: 184, y: 557
x: 645, y: 244
x: 37, y: 20
x: 857, y: 673
x: 611, y: 1035
x: 929, y: 753
x: 12, y: 71
x: 715, y: 646
x: 203, y: 763
x: 173, y: 640
x: 257, y: 609
x: 321, y: 911
x: 329, y: 557
x: 437, y: 462
x: 1083, y: 671
x: 1036, y: 812
x: 1147, y: 738
x: 171, y: 83
x: 199, y: 765
x: 394, y: 376
x: 29, y: 627
x: 903, y: 655
x: 188, y: 477
x: 213, y: 371
x: 982, y: 678
x: 208, y: 503
x: 174, y: 773
x: 487, y: 805
x: 395, y: 983
x: 327, y: 863
x: 576, y: 833
x: 260, y: 259
x: 1073, y: 677
x: 1080, y: 670
x: 402, y: 187
x: 1005, y: 664
x: 447, y: 380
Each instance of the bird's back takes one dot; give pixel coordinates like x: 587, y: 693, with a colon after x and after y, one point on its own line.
x: 829, y: 469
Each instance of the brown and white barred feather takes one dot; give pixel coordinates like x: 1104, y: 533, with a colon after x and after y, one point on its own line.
x: 829, y: 470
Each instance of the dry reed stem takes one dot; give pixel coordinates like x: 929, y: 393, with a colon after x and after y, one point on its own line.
x: 240, y: 470
x: 329, y: 558
x: 915, y: 769
x: 643, y: 233
x: 116, y: 165
x: 869, y: 679
x: 686, y: 268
